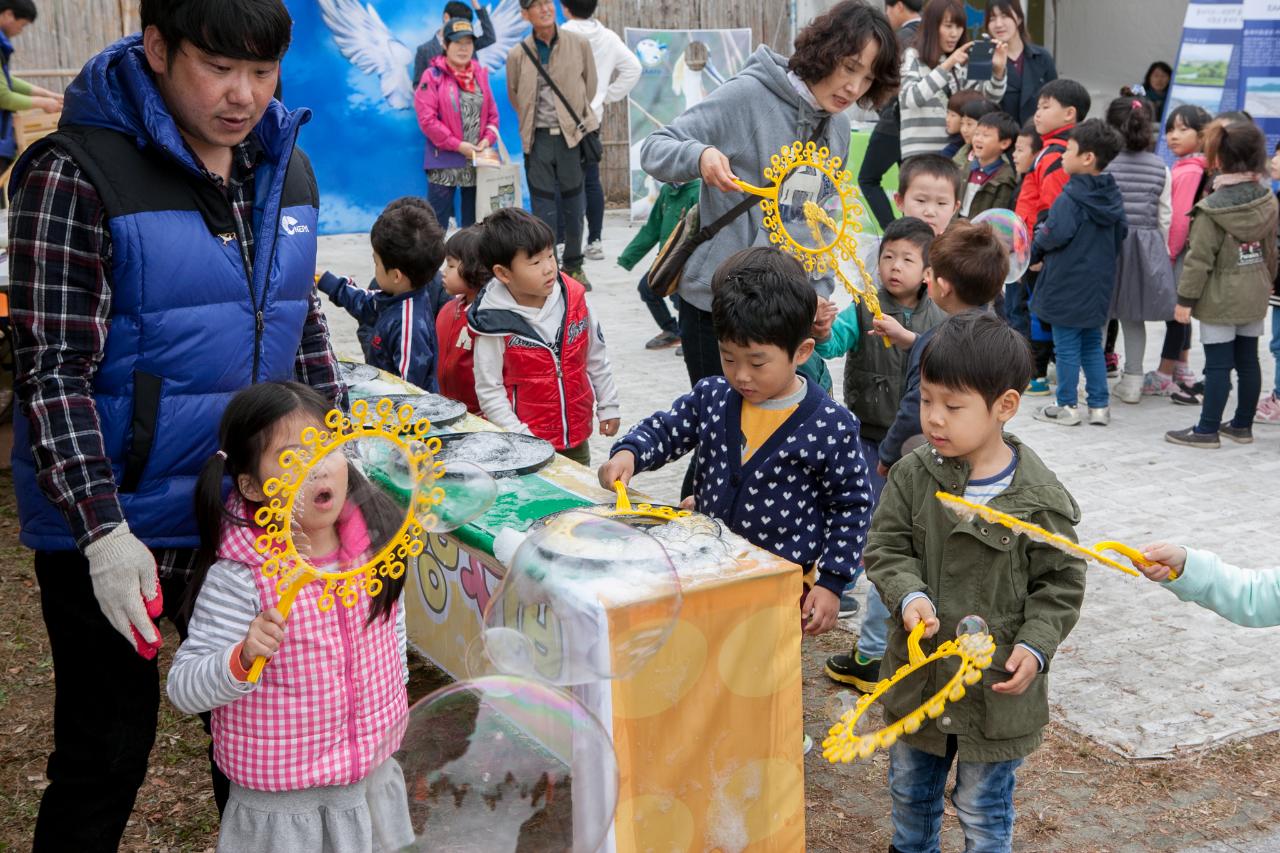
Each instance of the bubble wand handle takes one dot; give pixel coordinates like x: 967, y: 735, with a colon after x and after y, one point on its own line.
x: 284, y: 606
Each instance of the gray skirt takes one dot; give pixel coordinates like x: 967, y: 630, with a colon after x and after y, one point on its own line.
x: 369, y: 816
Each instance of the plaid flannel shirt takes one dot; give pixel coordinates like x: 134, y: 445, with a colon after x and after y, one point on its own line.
x: 60, y: 304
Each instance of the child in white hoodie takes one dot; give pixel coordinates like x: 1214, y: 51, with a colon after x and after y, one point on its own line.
x: 540, y: 361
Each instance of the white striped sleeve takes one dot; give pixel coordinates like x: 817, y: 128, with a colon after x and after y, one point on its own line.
x: 406, y: 337
x: 200, y: 678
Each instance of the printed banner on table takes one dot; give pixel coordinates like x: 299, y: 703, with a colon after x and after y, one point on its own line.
x: 350, y: 63
x: 680, y: 68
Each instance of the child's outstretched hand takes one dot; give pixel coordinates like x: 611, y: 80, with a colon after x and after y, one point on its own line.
x: 819, y: 610
x: 898, y: 335
x: 621, y: 466
x: 824, y: 319
x: 609, y: 426
x: 920, y: 610
x: 266, y: 632
x: 1166, y: 559
x: 1022, y: 666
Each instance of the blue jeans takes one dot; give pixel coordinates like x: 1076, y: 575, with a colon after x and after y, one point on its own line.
x: 441, y: 198
x: 874, y: 633
x: 658, y: 307
x: 1275, y: 345
x: 983, y: 798
x: 1076, y: 348
x: 595, y: 201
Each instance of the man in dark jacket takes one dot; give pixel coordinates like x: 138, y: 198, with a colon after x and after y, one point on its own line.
x: 163, y: 245
x: 883, y: 151
x: 434, y: 46
x: 1079, y: 243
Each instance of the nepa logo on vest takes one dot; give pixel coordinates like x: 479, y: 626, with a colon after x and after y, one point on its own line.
x: 292, y: 226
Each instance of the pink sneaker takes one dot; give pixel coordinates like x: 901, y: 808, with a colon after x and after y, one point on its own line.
x: 1157, y: 384
x: 1268, y: 411
x: 1184, y: 375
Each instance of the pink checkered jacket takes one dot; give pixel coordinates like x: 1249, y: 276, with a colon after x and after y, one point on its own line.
x: 328, y: 697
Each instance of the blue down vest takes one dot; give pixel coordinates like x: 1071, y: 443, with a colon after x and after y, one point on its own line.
x: 189, y: 326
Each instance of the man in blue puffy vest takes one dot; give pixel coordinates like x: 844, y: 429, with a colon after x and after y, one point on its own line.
x: 163, y: 251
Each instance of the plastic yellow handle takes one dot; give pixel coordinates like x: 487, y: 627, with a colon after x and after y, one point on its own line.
x: 624, y: 502
x: 916, y: 655
x: 285, y: 604
x: 1130, y: 553
x: 763, y: 192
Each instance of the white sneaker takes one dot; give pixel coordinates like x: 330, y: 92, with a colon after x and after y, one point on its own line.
x: 1065, y: 415
x: 560, y: 253
x: 1051, y: 373
x: 1129, y: 388
x: 1100, y: 417
x: 594, y: 251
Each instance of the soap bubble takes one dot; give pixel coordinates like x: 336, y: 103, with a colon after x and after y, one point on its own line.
x: 466, y: 492
x: 509, y: 651
x: 972, y: 625
x: 563, y: 581
x: 497, y: 763
x: 1012, y: 233
x: 840, y: 703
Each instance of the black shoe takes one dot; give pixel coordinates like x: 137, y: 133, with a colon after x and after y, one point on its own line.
x: 663, y: 340
x: 1240, y: 435
x: 1185, y: 396
x: 1190, y: 438
x: 856, y: 671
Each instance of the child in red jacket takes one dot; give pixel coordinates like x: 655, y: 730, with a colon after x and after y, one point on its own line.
x: 464, y: 278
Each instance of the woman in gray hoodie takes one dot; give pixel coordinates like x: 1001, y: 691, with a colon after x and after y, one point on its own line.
x: 847, y: 55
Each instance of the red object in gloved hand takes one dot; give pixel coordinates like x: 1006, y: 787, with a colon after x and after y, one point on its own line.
x: 155, y: 607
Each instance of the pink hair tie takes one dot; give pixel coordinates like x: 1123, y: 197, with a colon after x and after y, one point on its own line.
x: 1137, y: 105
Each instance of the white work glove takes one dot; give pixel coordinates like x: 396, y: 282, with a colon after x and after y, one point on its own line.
x: 125, y: 583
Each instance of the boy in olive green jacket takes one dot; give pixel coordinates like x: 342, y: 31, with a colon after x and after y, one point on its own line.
x: 929, y: 565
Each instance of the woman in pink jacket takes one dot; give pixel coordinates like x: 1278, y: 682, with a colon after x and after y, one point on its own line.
x: 459, y: 117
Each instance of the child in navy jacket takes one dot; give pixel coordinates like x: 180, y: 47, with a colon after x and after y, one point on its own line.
x: 778, y: 460
x: 408, y: 249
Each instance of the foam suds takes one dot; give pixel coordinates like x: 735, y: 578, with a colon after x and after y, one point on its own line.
x: 498, y: 451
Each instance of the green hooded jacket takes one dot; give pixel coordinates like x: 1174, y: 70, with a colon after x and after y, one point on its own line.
x: 1027, y: 592
x: 1231, y: 256
x: 669, y: 208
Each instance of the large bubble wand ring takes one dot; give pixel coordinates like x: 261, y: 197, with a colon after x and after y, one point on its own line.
x: 973, y: 645
x: 812, y: 212
x: 291, y: 570
x: 969, y: 510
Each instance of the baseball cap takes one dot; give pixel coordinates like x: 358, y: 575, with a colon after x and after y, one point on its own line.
x: 458, y: 28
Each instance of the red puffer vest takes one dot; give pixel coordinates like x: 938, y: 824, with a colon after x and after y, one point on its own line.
x: 547, y: 381
x: 455, y: 367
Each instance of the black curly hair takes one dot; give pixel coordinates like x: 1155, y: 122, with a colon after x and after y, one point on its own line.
x: 841, y: 32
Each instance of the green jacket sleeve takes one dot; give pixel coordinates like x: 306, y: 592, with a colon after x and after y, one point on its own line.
x: 890, y: 556
x: 647, y: 237
x: 1203, y: 246
x: 1055, y: 592
x: 844, y: 335
x: 16, y: 96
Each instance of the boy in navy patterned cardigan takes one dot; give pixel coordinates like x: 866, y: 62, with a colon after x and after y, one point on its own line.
x: 778, y: 460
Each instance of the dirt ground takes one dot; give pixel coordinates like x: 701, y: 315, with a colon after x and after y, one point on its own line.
x: 1072, y: 796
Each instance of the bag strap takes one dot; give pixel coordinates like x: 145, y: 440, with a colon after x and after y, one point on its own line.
x: 582, y: 128
x: 742, y: 207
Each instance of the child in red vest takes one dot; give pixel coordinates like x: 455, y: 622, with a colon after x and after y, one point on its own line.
x: 540, y: 362
x: 464, y: 278
x: 307, y: 746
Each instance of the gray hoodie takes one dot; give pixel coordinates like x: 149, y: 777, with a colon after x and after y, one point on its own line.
x: 749, y: 119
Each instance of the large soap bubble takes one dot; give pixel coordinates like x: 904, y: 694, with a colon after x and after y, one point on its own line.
x: 465, y: 492
x: 972, y: 625
x: 495, y: 765
x: 562, y: 582
x: 1012, y: 233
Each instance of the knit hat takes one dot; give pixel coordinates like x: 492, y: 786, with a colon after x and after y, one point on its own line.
x: 458, y: 28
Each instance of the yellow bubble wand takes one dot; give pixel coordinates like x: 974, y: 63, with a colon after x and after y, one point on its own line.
x: 832, y: 239
x: 291, y: 570
x: 843, y: 744
x: 969, y: 510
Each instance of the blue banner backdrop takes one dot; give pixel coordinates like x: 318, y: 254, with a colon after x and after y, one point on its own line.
x: 350, y: 63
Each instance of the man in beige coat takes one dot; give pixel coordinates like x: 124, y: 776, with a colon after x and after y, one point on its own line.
x: 551, y: 135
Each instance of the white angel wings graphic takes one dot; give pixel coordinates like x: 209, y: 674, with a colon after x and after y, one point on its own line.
x: 369, y: 44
